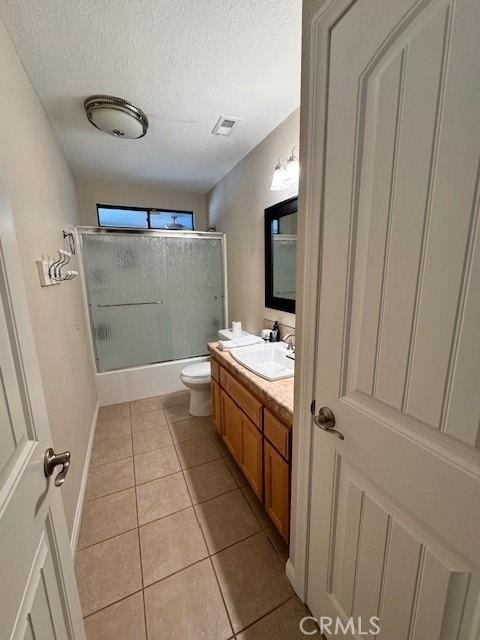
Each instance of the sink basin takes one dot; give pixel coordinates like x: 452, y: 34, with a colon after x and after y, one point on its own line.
x: 270, y: 360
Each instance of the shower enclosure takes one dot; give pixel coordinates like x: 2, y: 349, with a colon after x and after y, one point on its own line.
x: 153, y: 296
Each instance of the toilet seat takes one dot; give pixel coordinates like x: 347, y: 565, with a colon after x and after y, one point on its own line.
x: 199, y: 371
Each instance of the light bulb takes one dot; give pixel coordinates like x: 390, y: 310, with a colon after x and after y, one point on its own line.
x: 292, y: 171
x: 279, y: 178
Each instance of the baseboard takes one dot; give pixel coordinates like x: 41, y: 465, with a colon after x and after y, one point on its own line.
x: 83, y: 487
x: 290, y: 572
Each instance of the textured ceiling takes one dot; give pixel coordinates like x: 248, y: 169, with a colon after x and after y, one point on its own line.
x: 184, y: 62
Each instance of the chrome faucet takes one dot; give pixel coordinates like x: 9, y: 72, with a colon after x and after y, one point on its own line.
x: 289, y: 339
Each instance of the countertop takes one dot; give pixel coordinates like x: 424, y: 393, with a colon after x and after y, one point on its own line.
x: 277, y: 395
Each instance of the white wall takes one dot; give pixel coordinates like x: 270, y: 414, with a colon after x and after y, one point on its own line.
x: 236, y: 205
x: 41, y: 190
x: 91, y: 192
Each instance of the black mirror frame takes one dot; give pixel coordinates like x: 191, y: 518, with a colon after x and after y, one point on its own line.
x: 279, y: 210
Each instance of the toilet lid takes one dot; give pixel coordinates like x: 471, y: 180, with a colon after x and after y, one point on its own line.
x: 199, y: 370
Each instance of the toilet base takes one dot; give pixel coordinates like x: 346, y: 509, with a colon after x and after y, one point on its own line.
x: 200, y: 403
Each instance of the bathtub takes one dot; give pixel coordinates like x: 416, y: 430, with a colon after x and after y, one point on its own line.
x: 134, y: 383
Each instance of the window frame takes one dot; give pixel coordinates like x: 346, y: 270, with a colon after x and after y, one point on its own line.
x: 149, y: 211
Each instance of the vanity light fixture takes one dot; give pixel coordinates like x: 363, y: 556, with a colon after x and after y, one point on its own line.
x: 292, y: 169
x: 286, y: 173
x: 279, y: 177
x: 116, y: 116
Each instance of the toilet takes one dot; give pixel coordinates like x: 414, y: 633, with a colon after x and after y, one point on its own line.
x: 197, y: 377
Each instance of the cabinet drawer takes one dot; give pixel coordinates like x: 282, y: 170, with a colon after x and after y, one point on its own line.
x: 215, y: 367
x: 277, y: 433
x: 245, y: 400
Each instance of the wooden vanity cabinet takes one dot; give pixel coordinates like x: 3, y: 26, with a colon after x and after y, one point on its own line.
x: 216, y: 406
x: 277, y: 489
x: 251, y: 462
x: 231, y: 424
x: 258, y: 440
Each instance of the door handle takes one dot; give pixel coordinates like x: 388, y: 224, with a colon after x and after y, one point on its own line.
x: 53, y: 460
x: 325, y: 419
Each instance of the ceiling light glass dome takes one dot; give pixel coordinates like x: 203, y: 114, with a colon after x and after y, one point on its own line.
x: 116, y: 116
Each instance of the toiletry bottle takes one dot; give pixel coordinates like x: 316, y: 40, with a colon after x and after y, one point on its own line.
x: 275, y: 335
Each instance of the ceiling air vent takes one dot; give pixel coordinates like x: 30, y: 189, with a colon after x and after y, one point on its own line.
x: 225, y: 125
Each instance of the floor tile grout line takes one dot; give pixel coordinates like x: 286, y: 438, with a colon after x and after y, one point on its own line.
x: 138, y: 534
x: 229, y: 546
x: 264, y: 615
x: 166, y: 475
x: 252, y: 509
x: 222, y: 595
x: 190, y: 506
x: 210, y: 555
x: 211, y: 562
x: 117, y: 535
x: 172, y: 473
x: 175, y: 573
x: 174, y: 442
x: 108, y: 495
x: 151, y: 428
x: 101, y: 464
x: 112, y: 603
x: 282, y: 561
x: 196, y: 504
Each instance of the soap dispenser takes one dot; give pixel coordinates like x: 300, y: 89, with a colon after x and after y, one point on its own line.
x: 275, y: 334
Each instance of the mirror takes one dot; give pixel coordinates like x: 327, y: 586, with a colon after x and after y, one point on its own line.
x: 281, y: 255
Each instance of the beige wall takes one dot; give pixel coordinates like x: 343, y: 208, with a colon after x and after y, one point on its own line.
x: 91, y: 192
x: 41, y: 191
x: 236, y: 206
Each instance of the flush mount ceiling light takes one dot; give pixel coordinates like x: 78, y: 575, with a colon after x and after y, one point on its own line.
x: 116, y: 117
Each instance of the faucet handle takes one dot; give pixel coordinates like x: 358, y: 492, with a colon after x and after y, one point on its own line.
x: 289, y: 339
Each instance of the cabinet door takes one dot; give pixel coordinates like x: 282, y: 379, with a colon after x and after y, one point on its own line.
x: 251, y: 454
x: 277, y: 494
x: 216, y: 406
x: 230, y: 425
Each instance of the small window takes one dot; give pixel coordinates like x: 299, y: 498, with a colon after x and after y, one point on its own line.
x: 171, y: 220
x: 137, y: 218
x: 131, y: 218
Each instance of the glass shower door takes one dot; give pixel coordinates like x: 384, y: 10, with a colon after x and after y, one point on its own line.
x: 152, y: 297
x: 195, y: 293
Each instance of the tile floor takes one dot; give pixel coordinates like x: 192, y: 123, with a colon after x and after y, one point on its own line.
x: 173, y: 543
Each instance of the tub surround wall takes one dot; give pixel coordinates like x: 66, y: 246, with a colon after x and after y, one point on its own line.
x: 236, y: 206
x: 91, y: 192
x: 39, y: 185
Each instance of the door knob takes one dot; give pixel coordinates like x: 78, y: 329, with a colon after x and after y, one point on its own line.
x: 325, y: 419
x: 53, y: 460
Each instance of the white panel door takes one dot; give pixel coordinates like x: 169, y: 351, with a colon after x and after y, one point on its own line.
x: 395, y: 506
x: 38, y: 594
